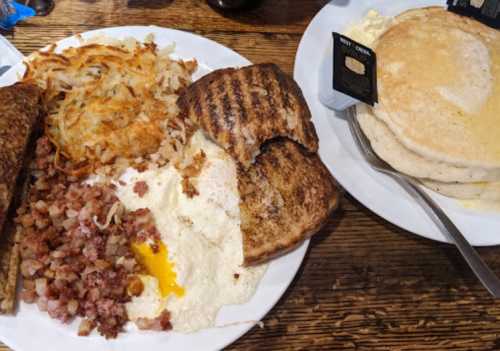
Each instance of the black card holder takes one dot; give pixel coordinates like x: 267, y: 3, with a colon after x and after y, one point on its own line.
x: 354, y: 69
x: 488, y: 12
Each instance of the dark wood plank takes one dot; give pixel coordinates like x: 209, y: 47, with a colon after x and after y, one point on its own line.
x: 273, y: 16
x: 365, y: 284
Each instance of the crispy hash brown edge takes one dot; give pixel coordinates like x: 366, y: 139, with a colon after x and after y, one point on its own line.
x: 58, y: 78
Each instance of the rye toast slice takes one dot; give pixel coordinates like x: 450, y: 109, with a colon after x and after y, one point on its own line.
x: 21, y: 110
x: 240, y: 109
x: 9, y: 266
x: 286, y: 196
x: 19, y: 114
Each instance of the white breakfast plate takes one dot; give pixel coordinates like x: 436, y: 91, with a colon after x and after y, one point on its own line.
x: 376, y: 191
x: 33, y: 330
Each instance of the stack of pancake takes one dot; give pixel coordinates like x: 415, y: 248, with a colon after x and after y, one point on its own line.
x: 438, y: 116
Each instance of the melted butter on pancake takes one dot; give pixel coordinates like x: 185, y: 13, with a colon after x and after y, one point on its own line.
x: 486, y: 127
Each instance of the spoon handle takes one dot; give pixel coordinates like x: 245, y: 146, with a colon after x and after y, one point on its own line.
x: 487, y: 277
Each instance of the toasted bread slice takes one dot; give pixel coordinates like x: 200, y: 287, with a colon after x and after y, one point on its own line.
x: 9, y: 267
x: 20, y: 116
x: 286, y: 196
x: 240, y: 109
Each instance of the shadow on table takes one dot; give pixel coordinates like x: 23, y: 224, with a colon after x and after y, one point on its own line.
x: 149, y: 4
x: 5, y: 32
x: 329, y: 228
x: 323, y: 234
x: 452, y: 270
x: 461, y: 268
x: 275, y: 12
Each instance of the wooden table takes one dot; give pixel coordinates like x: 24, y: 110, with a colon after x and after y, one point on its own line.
x: 365, y: 284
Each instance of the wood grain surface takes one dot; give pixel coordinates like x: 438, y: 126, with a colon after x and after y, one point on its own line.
x: 365, y: 284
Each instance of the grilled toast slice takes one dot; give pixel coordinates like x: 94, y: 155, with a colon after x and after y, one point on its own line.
x: 286, y: 196
x: 240, y: 109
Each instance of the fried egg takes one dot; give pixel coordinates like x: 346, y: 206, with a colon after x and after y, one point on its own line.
x: 201, y: 267
x: 150, y: 303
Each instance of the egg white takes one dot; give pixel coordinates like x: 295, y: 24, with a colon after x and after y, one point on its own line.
x: 150, y: 303
x: 203, y: 238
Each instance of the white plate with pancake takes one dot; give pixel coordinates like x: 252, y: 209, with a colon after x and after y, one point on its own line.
x: 32, y: 329
x: 376, y: 191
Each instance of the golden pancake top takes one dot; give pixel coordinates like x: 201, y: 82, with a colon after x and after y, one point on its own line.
x: 439, y: 86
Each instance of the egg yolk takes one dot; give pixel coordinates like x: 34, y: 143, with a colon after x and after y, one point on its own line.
x: 159, y: 266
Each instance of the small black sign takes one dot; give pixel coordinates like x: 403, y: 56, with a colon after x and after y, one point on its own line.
x: 354, y: 69
x: 486, y: 11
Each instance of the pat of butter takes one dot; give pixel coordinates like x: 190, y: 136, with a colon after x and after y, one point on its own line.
x: 366, y: 33
x: 369, y: 29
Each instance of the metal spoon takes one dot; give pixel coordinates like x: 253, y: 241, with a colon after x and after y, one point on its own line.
x: 489, y: 280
